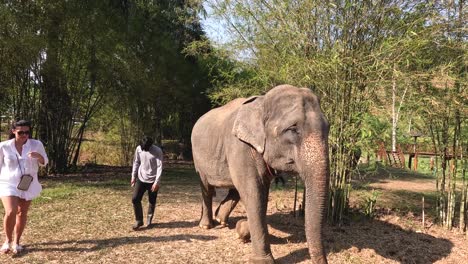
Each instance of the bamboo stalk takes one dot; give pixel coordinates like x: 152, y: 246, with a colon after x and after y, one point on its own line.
x: 423, y: 216
x: 464, y: 196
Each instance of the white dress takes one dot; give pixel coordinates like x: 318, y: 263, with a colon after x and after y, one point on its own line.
x: 11, y: 170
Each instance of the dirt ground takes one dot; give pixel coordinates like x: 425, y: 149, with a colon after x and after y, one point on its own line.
x: 92, y: 224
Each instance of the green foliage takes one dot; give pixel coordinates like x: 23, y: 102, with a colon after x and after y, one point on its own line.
x: 104, y: 149
x: 363, y: 58
x: 374, y: 130
x: 369, y: 203
x: 164, y: 91
x: 230, y: 78
x: 63, y: 62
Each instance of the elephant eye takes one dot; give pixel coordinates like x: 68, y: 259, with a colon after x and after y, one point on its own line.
x: 293, y: 129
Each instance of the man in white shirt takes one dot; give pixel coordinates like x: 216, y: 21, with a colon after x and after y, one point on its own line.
x: 146, y: 176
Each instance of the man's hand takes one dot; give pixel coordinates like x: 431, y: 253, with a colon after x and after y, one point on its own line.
x: 155, y: 187
x: 132, y: 181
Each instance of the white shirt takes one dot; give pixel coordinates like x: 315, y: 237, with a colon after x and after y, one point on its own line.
x: 13, y: 165
x: 147, y: 165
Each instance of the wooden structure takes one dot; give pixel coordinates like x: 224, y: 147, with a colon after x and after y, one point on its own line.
x: 414, y: 155
x: 397, y: 158
x: 392, y: 158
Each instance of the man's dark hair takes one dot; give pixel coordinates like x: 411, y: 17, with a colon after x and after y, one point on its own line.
x: 146, y: 143
x: 16, y: 124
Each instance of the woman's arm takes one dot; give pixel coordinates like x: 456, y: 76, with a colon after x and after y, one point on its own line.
x: 40, y: 154
x: 1, y: 155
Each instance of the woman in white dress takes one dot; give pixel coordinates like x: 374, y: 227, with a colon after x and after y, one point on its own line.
x: 18, y: 156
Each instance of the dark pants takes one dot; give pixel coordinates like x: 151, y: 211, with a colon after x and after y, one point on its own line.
x: 138, y: 192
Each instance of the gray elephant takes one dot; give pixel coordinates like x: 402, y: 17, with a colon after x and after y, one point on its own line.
x: 238, y: 145
x: 242, y: 230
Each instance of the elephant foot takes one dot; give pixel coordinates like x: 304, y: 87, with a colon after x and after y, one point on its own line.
x: 222, y: 224
x: 268, y: 259
x: 206, y: 226
x: 206, y: 223
x: 243, y: 239
x: 242, y: 230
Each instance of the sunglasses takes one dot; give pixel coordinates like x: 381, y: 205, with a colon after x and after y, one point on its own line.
x: 21, y: 133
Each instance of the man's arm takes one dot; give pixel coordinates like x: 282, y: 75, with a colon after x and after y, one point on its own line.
x: 157, y: 181
x: 136, y: 165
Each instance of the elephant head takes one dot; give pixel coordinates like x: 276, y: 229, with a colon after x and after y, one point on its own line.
x: 288, y: 128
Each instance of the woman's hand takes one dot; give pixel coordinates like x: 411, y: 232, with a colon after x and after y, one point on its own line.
x: 132, y: 181
x: 36, y: 155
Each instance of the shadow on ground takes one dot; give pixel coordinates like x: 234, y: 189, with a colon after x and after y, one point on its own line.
x: 383, y: 173
x: 177, y: 224
x: 387, y: 240
x: 90, y: 245
x: 118, y: 178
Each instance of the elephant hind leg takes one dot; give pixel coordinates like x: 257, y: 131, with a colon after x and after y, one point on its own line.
x: 226, y: 206
x: 243, y: 231
x: 206, y: 220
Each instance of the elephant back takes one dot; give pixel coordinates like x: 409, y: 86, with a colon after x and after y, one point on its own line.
x: 209, y: 131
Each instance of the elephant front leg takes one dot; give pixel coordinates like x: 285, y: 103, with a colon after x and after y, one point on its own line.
x: 206, y: 220
x: 226, y: 206
x: 256, y: 206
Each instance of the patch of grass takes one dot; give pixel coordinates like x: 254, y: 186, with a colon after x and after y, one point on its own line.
x: 181, y: 176
x: 424, y: 165
x: 399, y: 201
x: 58, y: 192
x: 99, y: 148
x: 404, y: 201
x: 395, y: 197
x: 369, y: 203
x: 379, y: 170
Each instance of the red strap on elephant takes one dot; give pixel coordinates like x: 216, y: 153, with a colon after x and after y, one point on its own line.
x: 269, y: 171
x: 252, y: 154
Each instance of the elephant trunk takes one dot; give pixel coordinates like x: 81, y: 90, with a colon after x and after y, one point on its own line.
x: 315, y: 173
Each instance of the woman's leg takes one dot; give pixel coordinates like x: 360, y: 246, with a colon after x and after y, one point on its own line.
x: 10, y: 204
x: 21, y: 218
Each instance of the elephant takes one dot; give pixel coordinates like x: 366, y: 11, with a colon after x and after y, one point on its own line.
x: 242, y: 230
x: 238, y: 145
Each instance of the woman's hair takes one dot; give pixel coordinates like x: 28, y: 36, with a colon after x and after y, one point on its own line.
x: 18, y: 124
x: 146, y: 143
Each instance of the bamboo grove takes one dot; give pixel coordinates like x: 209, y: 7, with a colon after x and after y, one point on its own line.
x: 64, y: 63
x: 358, y: 55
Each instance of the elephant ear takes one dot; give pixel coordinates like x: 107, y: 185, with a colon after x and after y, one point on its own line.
x: 248, y: 125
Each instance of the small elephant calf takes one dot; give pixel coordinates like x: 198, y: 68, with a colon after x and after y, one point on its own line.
x: 242, y: 229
